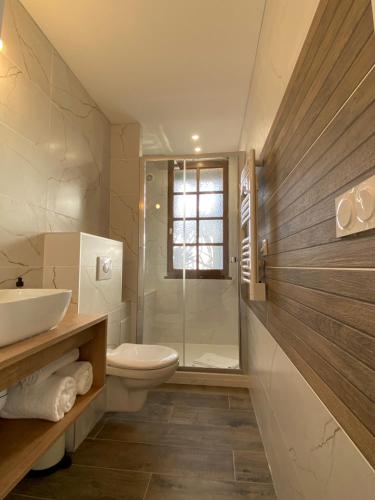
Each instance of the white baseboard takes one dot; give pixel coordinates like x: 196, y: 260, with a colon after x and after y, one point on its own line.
x: 210, y: 379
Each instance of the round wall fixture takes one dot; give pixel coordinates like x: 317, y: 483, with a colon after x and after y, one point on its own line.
x: 149, y: 177
x: 344, y: 213
x: 365, y: 204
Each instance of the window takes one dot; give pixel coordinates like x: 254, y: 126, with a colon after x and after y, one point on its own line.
x: 198, y: 219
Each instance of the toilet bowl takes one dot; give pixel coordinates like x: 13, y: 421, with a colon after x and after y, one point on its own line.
x: 133, y: 369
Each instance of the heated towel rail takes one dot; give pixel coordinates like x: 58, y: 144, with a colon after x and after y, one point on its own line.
x: 249, y: 231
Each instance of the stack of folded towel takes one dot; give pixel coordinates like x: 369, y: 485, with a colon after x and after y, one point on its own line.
x: 50, y: 392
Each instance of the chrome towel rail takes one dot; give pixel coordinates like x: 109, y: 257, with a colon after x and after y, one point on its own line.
x: 249, y: 230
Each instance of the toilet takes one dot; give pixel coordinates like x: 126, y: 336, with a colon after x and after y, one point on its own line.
x: 133, y: 369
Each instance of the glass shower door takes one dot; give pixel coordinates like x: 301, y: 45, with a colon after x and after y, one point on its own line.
x: 190, y: 279
x: 163, y: 304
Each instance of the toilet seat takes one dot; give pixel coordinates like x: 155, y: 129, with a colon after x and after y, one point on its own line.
x: 141, y: 357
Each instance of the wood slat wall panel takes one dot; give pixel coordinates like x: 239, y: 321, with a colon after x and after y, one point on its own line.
x: 353, y: 283
x: 309, y: 120
x: 352, y: 252
x: 357, y: 314
x: 320, y: 161
x: 321, y: 290
x: 331, y: 48
x: 349, y: 339
x: 350, y: 395
x: 347, y: 366
x: 347, y: 140
x: 358, y: 62
x: 316, y: 40
x: 331, y: 397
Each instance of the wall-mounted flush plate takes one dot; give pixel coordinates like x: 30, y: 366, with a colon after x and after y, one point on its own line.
x: 103, y: 268
x: 355, y: 209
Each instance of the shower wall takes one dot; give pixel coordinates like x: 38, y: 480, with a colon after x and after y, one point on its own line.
x: 211, y: 306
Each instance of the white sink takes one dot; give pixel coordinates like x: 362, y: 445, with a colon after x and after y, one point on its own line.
x: 26, y: 312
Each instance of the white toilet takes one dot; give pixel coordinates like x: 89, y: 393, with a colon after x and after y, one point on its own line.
x: 133, y: 369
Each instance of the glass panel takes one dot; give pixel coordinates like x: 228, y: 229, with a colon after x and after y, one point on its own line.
x: 161, y: 320
x: 210, y: 257
x: 211, y: 179
x: 190, y: 257
x: 185, y: 233
x: 189, y: 201
x: 211, y: 205
x: 211, y: 231
x: 190, y: 181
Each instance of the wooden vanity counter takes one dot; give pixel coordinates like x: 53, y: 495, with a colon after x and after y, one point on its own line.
x: 23, y: 441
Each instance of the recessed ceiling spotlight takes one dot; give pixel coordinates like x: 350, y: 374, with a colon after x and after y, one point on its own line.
x: 195, y: 137
x: 197, y: 149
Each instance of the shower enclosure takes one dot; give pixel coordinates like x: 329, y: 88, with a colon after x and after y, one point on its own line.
x: 189, y: 295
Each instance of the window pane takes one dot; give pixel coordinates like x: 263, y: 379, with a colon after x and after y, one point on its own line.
x: 211, y: 179
x: 211, y: 231
x: 211, y: 205
x: 184, y: 231
x: 190, y: 180
x: 210, y: 257
x: 190, y: 257
x: 187, y: 201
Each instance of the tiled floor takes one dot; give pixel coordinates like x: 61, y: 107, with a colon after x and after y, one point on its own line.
x: 188, y: 443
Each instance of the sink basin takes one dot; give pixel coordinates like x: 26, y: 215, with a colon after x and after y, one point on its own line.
x: 26, y: 312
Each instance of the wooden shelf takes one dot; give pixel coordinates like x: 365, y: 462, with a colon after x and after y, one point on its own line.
x: 25, y: 357
x: 23, y: 441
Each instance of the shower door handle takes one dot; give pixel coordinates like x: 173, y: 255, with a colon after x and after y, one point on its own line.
x: 233, y: 260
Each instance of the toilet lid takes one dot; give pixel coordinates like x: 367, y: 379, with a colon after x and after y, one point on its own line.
x: 140, y: 356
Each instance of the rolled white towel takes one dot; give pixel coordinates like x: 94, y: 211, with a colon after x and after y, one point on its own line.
x: 81, y: 371
x: 48, y: 400
x: 47, y: 370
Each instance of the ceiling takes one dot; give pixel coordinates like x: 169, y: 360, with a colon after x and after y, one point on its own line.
x: 178, y: 67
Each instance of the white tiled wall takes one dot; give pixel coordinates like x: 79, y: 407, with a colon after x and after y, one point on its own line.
x: 54, y: 150
x: 70, y: 262
x: 124, y: 207
x: 310, y: 455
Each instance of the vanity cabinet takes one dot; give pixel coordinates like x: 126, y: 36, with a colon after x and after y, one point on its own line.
x: 23, y: 441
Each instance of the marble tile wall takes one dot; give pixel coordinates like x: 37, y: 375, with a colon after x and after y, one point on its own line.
x: 54, y: 150
x: 70, y: 262
x: 211, y: 306
x: 310, y: 455
x: 124, y: 206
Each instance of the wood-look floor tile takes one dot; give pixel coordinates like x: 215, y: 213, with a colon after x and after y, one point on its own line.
x: 209, y: 416
x: 177, y: 488
x: 195, y: 436
x: 238, y: 391
x: 181, y: 415
x: 231, y: 418
x: 14, y: 496
x: 240, y: 402
x: 159, y: 459
x: 149, y: 413
x: 94, y: 431
x: 86, y: 483
x: 250, y: 466
x: 189, y: 399
x: 201, y: 389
